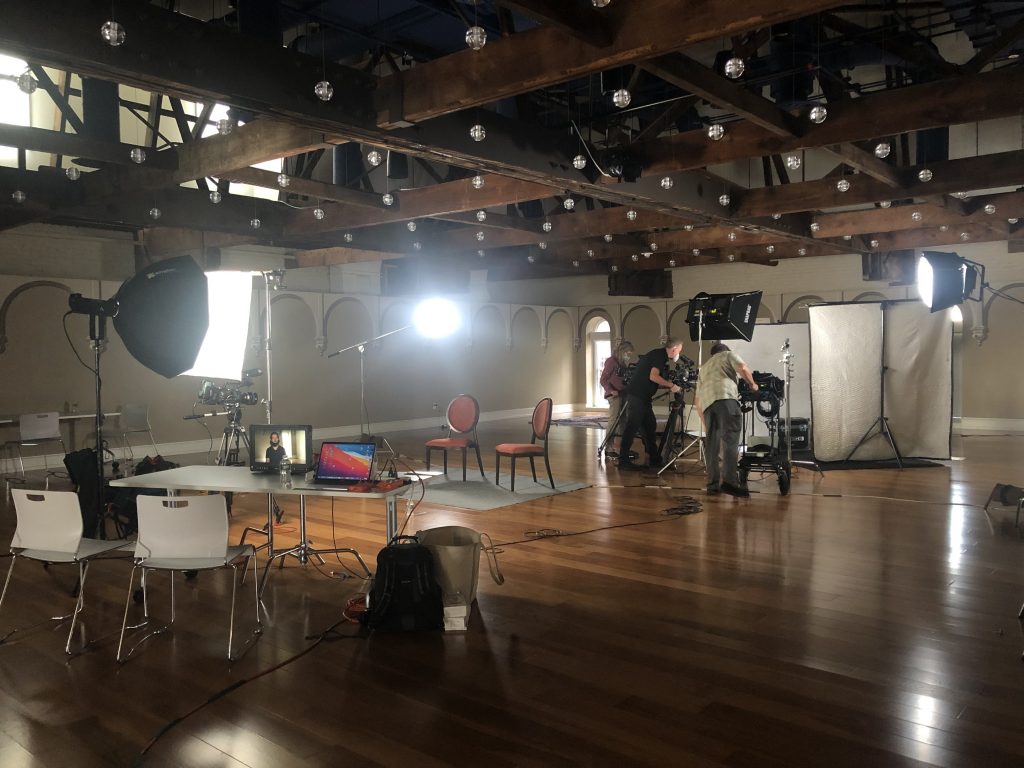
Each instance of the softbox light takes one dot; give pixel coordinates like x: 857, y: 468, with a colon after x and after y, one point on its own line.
x: 723, y: 315
x: 163, y: 314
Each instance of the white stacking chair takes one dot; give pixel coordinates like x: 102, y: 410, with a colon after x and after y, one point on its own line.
x: 134, y: 419
x: 50, y: 530
x: 186, y: 533
x: 34, y: 429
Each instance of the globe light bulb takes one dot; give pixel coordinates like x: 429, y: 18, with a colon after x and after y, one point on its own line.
x: 283, y: 180
x: 575, y: 262
x: 1012, y: 220
x: 215, y: 197
x: 225, y: 126
x: 724, y: 200
x: 885, y: 204
x: 579, y: 162
x: 546, y: 226
x: 631, y: 215
x: 776, y: 216
x: 964, y: 236
x: 476, y: 37
x: 18, y: 196
x: 73, y: 173
x: 387, y: 198
x: 874, y: 244
x: 770, y: 248
x: 318, y: 213
x: 531, y: 258
x: 695, y: 251
x: 112, y: 33
x: 374, y: 158
x: 883, y: 150
x: 716, y: 131
x: 990, y: 209
x: 818, y: 114
x: 843, y: 185
x: 615, y: 268
x: 801, y: 251
x: 599, y: 3
x: 324, y: 90
x: 154, y: 213
x: 653, y: 246
x: 815, y: 226
x: 481, y: 215
x: 478, y: 132
x: 671, y: 262
x: 478, y: 182
x: 731, y: 236
x: 417, y: 245
x: 688, y: 227
x: 635, y: 257
x: 480, y: 252
x: 924, y: 175
x: 666, y: 182
x: 411, y: 226
x: 255, y: 223
x: 916, y: 216
x: 479, y: 236
x: 793, y: 162
x: 542, y: 245
x: 138, y: 155
x: 734, y: 68
x: 590, y: 253
x: 27, y: 83
x: 568, y: 203
x: 621, y: 98
x: 348, y: 237
x: 607, y: 238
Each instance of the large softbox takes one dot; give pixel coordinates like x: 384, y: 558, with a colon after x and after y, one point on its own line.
x: 163, y: 313
x: 723, y: 315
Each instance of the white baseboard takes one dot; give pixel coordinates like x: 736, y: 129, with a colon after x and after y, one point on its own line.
x: 186, y: 447
x: 969, y: 424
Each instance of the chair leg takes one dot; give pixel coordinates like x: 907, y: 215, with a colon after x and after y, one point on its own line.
x: 533, y: 469
x: 479, y: 461
x: 446, y: 462
x: 463, y: 465
x: 513, y: 473
x: 83, y: 571
x: 231, y: 621
x: 426, y: 459
x: 3, y: 594
x: 547, y: 466
x: 497, y: 468
x: 127, y: 605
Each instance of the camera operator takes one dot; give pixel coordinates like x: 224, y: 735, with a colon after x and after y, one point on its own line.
x: 640, y: 391
x: 717, y: 402
x: 613, y: 381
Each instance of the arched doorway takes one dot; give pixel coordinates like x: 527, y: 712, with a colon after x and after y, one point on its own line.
x: 599, y: 349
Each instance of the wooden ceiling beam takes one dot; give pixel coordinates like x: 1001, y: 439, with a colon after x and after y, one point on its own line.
x: 931, y: 237
x: 887, y: 113
x: 544, y: 56
x: 73, y: 145
x: 584, y: 23
x: 996, y: 170
x: 313, y: 189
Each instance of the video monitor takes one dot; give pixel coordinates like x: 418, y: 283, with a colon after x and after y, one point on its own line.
x: 269, y: 443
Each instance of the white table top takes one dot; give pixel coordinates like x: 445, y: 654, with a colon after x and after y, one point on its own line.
x: 203, y: 477
x: 4, y: 420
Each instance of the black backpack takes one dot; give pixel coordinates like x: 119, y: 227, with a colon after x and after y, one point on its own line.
x: 404, y: 594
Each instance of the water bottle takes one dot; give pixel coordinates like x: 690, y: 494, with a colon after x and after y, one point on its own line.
x: 286, y: 472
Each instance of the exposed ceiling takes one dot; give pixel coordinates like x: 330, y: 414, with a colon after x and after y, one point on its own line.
x: 656, y: 192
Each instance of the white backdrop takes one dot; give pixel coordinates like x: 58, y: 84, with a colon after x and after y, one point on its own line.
x: 764, y: 353
x: 846, y: 383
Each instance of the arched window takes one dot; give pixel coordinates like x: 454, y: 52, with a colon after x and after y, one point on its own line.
x: 599, y: 349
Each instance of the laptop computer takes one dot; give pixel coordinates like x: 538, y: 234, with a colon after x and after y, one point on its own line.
x: 343, y: 464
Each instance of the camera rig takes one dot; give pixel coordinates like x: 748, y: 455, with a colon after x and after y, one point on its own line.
x: 770, y: 394
x: 231, y: 393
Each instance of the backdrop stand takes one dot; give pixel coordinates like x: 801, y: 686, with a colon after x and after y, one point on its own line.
x: 882, y: 422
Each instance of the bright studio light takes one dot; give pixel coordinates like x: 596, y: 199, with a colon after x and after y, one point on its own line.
x: 223, y: 350
x: 436, y: 318
x: 944, y: 279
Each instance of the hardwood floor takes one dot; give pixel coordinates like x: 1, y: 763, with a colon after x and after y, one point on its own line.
x: 869, y: 618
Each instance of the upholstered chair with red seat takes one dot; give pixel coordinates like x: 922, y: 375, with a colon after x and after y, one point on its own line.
x: 538, y: 445
x: 462, y: 416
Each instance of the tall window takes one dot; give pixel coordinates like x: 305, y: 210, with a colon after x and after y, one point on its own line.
x: 14, y: 103
x: 600, y: 350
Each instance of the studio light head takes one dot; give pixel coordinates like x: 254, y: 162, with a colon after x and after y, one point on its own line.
x: 946, y: 279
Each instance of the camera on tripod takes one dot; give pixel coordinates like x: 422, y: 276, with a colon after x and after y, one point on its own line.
x: 683, y: 374
x: 231, y: 394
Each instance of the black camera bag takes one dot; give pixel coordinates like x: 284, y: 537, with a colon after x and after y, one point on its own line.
x: 404, y: 594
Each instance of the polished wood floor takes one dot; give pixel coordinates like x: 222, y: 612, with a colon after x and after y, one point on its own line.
x: 869, y: 618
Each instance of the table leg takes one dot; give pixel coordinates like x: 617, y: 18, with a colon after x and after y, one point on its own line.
x: 391, y: 518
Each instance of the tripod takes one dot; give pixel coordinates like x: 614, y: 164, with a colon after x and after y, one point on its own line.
x: 612, y: 429
x: 673, y: 439
x: 234, y: 437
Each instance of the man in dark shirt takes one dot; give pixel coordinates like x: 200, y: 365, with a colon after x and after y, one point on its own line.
x: 275, y: 451
x: 644, y: 384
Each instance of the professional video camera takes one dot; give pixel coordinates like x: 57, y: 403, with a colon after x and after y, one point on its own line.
x: 769, y: 395
x: 231, y: 393
x: 683, y: 374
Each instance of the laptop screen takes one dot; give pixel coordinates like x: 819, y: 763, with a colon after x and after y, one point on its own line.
x: 345, y: 462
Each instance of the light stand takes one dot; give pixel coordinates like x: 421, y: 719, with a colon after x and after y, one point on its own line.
x: 361, y: 346
x: 98, y: 312
x: 272, y: 279
x: 699, y: 439
x: 787, y: 366
x: 882, y: 422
